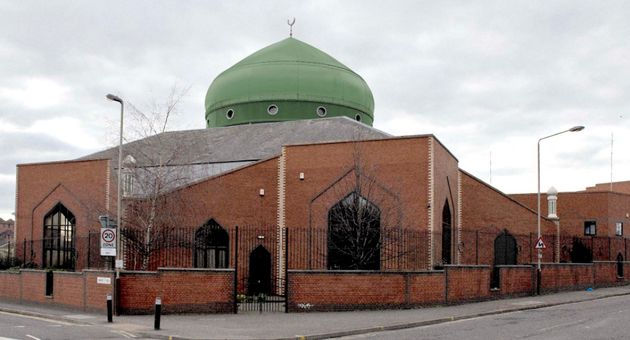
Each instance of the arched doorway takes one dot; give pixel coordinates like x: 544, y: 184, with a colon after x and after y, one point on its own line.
x: 354, y: 234
x: 619, y: 265
x: 259, y: 281
x: 505, y: 253
x: 446, y: 234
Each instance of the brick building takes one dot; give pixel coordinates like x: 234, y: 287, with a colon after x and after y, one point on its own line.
x: 289, y: 174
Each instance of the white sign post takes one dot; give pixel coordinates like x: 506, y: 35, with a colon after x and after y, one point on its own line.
x: 108, y: 242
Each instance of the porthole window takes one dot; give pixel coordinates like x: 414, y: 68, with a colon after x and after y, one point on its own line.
x: 321, y: 111
x: 358, y: 117
x: 272, y: 109
x: 229, y: 114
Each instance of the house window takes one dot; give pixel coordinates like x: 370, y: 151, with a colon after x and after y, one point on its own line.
x: 354, y: 234
x: 590, y: 228
x: 619, y: 228
x: 59, y: 228
x: 127, y: 184
x: 211, y: 246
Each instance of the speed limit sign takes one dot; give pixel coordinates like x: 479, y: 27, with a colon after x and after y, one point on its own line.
x: 108, y: 242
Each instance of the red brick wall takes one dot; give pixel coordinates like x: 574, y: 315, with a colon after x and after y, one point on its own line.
x: 96, y: 293
x: 68, y: 289
x: 138, y: 291
x: 10, y: 286
x: 34, y: 286
x: 445, y: 184
x: 605, y: 273
x: 393, y: 177
x: 489, y: 211
x: 326, y: 291
x: 426, y: 288
x: 466, y: 283
x: 181, y: 291
x: 81, y: 186
x: 517, y: 280
x: 566, y: 276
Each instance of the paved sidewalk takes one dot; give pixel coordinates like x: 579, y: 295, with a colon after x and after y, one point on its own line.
x: 306, y: 325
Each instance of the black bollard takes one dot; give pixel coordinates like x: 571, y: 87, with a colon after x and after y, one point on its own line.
x: 158, y: 312
x: 109, y: 308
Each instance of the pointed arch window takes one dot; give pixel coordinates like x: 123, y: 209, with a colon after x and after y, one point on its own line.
x: 59, y: 229
x: 446, y: 234
x: 354, y: 234
x: 211, y: 246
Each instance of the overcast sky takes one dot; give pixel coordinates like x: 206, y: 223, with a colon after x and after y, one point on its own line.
x: 488, y: 78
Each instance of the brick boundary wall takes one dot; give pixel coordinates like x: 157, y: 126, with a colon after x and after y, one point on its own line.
x: 320, y: 290
x: 517, y: 280
x: 467, y: 283
x: 181, y: 291
x: 557, y: 277
x: 74, y: 290
x: 605, y: 274
x: 211, y: 290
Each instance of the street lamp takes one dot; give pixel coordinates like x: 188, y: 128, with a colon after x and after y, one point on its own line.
x: 118, y: 196
x: 573, y: 129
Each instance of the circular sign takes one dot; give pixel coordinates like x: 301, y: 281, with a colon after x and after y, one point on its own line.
x: 108, y: 236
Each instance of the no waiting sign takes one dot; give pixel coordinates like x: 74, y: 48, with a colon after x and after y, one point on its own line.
x: 108, y: 242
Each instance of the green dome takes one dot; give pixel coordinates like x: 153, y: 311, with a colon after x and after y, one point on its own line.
x: 289, y: 80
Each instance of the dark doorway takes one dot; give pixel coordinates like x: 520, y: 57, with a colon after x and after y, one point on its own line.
x: 619, y: 265
x: 446, y: 234
x: 505, y: 253
x: 259, y: 272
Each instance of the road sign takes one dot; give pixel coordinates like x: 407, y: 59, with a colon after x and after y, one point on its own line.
x: 108, y: 242
x: 540, y: 244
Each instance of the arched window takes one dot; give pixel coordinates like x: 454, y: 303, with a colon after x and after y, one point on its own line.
x: 446, y: 233
x: 59, y: 229
x: 354, y: 234
x: 211, y: 246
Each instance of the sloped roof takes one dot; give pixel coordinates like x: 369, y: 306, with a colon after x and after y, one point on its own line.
x: 237, y: 143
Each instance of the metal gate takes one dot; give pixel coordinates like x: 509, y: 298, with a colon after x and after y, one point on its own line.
x: 260, y: 270
x: 505, y: 253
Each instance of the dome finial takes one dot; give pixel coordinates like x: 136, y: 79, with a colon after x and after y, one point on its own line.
x: 290, y: 23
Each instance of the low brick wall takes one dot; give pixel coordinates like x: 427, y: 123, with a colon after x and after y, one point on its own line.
x: 345, y: 290
x: 181, y: 291
x: 517, y: 280
x: 467, y: 283
x: 10, y: 285
x: 566, y: 276
x: 76, y: 290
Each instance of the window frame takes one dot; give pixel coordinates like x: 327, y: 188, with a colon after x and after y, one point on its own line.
x: 618, y: 228
x: 588, y: 225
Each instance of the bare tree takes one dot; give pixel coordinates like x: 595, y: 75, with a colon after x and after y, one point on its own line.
x: 151, y: 170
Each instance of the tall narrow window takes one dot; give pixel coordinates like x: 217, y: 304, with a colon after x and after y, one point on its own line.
x: 59, y: 229
x: 446, y: 234
x: 354, y: 234
x: 211, y: 246
x: 619, y: 228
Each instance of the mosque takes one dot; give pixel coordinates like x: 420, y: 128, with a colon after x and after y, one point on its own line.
x: 288, y: 175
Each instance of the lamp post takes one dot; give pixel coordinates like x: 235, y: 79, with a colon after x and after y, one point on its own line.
x: 573, y: 129
x: 118, y: 196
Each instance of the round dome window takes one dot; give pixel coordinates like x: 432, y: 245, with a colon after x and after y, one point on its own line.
x: 321, y: 111
x: 229, y: 114
x: 272, y: 109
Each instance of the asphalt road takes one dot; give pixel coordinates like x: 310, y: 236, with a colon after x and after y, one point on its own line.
x: 15, y: 326
x: 599, y: 319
